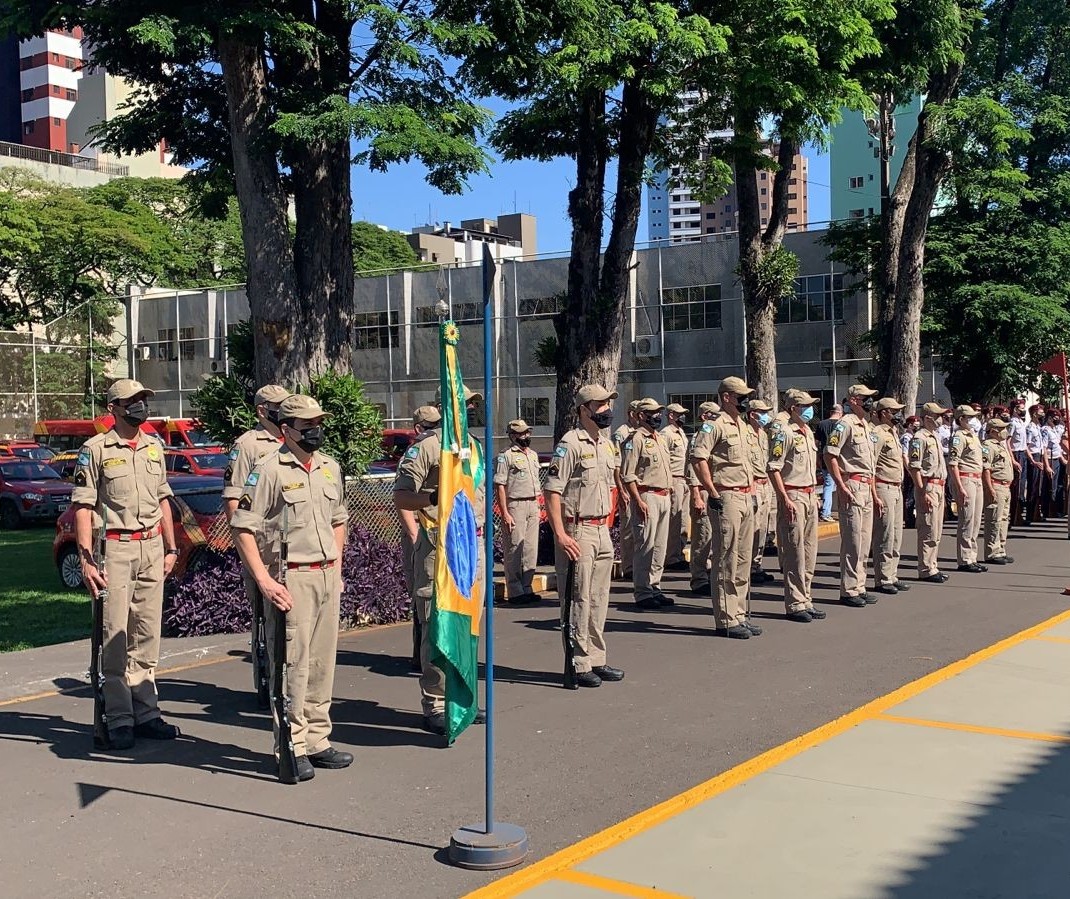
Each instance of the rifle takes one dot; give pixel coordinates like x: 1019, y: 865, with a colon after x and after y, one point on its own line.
x: 259, y: 648
x: 287, y: 757
x: 567, y: 631
x: 96, y: 657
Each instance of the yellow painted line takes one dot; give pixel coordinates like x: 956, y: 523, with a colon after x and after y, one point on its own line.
x: 617, y: 887
x: 827, y: 529
x: 1047, y: 639
x: 977, y: 729
x: 549, y: 867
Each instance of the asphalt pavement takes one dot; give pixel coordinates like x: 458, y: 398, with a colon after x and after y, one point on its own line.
x: 205, y: 816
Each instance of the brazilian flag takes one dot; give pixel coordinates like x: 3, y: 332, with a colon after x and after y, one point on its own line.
x: 458, y: 593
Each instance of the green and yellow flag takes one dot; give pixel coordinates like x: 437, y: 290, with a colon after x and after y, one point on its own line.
x: 459, y: 584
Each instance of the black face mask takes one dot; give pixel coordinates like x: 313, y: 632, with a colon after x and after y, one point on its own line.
x: 602, y: 419
x: 867, y: 404
x: 743, y: 405
x: 523, y: 442
x: 136, y: 413
x: 273, y: 416
x: 897, y: 420
x: 654, y: 419
x: 310, y: 440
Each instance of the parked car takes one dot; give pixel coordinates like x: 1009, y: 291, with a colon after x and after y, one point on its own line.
x: 395, y: 442
x: 211, y: 461
x: 31, y: 491
x: 196, y: 511
x: 27, y: 449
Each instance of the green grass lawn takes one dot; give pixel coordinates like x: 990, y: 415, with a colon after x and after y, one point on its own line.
x: 35, y: 608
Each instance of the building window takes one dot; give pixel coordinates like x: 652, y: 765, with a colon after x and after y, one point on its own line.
x: 793, y: 181
x: 764, y: 191
x: 375, y: 330
x: 165, y: 345
x: 535, y: 410
x: 856, y: 213
x: 70, y: 62
x: 793, y: 196
x: 57, y: 122
x: 691, y: 402
x: 540, y: 307
x: 695, y: 308
x: 187, y: 343
x: 427, y: 316
x: 727, y: 207
x: 72, y: 94
x: 55, y: 89
x: 711, y: 229
x: 55, y: 57
x: 710, y: 215
x: 27, y: 95
x: 793, y: 210
x: 27, y: 127
x: 817, y: 298
x: 764, y: 175
x: 856, y: 183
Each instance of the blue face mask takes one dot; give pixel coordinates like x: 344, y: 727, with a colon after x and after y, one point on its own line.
x: 807, y: 414
x: 764, y: 419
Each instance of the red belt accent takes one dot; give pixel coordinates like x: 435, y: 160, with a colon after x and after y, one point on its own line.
x: 126, y: 536
x: 938, y: 481
x: 890, y: 483
x: 1002, y: 483
x: 969, y: 474
x: 594, y: 522
x: 309, y: 566
x: 799, y: 489
x: 864, y: 478
x: 679, y: 477
x: 761, y: 480
x: 658, y: 491
x: 734, y: 489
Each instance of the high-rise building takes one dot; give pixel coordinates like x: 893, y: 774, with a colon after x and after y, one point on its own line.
x: 854, y: 161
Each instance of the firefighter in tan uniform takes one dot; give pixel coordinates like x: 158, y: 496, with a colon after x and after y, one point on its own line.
x: 416, y: 489
x: 996, y: 478
x: 966, y: 463
x: 722, y: 459
x: 793, y: 471
x: 296, y: 495
x: 578, y: 491
x: 517, y: 487
x: 624, y: 508
x: 850, y: 458
x: 679, y: 520
x: 929, y: 473
x: 888, y: 525
x: 760, y: 417
x: 646, y: 472
x: 701, y: 530
x: 121, y: 479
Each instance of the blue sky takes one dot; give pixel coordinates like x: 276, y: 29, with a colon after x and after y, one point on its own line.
x: 401, y: 198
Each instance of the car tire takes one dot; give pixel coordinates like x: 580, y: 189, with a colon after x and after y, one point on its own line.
x: 10, y: 517
x: 70, y: 567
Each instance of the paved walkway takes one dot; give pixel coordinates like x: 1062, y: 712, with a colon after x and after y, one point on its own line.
x: 955, y: 785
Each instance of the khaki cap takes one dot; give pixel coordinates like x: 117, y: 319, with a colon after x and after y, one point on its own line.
x: 734, y: 385
x: 468, y: 395
x: 270, y: 393
x: 648, y: 404
x: 709, y: 406
x: 759, y: 406
x: 594, y: 393
x: 889, y: 402
x: 633, y: 406
x: 965, y: 411
x: 860, y: 390
x: 426, y: 415
x: 517, y: 426
x: 795, y: 396
x: 998, y: 424
x: 934, y: 409
x: 677, y: 408
x: 302, y: 406
x: 126, y: 389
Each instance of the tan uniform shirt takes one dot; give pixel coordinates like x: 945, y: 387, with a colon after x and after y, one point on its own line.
x: 581, y: 471
x: 689, y: 469
x: 724, y: 445
x: 645, y: 461
x: 853, y: 441
x: 518, y: 472
x: 248, y: 449
x: 129, y: 483
x: 759, y: 452
x: 676, y: 441
x: 418, y: 473
x: 965, y: 452
x: 793, y: 454
x: 890, y: 467
x: 314, y: 501
x: 996, y: 458
x: 927, y: 456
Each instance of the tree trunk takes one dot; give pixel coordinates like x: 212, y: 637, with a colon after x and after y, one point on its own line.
x: 270, y: 286
x: 931, y: 164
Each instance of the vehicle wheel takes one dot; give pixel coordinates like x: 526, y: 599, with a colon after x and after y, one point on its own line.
x: 10, y: 517
x: 70, y: 568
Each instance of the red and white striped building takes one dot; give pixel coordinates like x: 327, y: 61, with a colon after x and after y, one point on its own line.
x: 50, y: 68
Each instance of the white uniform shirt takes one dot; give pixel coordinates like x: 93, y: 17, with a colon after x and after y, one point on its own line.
x: 944, y: 434
x: 1017, y: 434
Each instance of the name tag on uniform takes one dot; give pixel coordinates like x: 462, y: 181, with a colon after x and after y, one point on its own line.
x: 111, y: 463
x: 297, y: 485
x: 586, y: 455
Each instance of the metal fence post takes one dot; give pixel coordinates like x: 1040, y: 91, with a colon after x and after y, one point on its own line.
x: 33, y: 360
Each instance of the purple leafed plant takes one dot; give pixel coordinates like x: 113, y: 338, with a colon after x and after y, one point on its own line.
x: 373, y: 585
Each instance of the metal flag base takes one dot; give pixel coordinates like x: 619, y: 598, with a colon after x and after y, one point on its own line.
x: 505, y: 846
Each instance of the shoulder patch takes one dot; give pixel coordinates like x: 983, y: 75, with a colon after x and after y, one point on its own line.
x: 956, y: 440
x: 628, y: 445
x: 83, y: 457
x: 837, y: 435
x: 707, y: 427
x: 412, y: 452
x: 246, y: 502
x: 254, y: 476
x: 560, y: 451
x: 80, y: 478
x: 233, y: 453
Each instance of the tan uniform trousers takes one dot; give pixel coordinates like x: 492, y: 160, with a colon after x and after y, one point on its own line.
x: 432, y: 680
x: 930, y: 529
x: 765, y: 521
x: 590, y: 593
x: 651, y: 537
x: 407, y: 562
x: 132, y: 620
x: 733, y: 541
x: 997, y: 520
x: 856, y: 535
x: 971, y: 513
x: 797, y: 547
x: 679, y: 519
x: 311, y: 649
x: 701, y: 542
x: 627, y: 536
x: 521, y: 547
x: 888, y: 535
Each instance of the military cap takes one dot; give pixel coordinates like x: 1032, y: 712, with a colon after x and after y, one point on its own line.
x: 709, y: 406
x: 889, y: 402
x: 734, y: 385
x: 998, y: 424
x: 796, y: 396
x: 934, y: 409
x: 426, y: 415
x: 860, y: 390
x: 759, y: 405
x: 469, y: 396
x: 648, y: 404
x: 517, y: 426
x: 302, y: 406
x: 127, y: 389
x: 594, y: 393
x: 270, y: 393
x: 965, y: 411
x: 677, y: 408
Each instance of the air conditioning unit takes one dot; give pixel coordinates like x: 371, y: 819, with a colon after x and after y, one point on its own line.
x: 648, y: 346
x: 144, y: 353
x: 218, y: 367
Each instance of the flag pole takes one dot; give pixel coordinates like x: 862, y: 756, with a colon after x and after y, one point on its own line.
x: 491, y: 844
